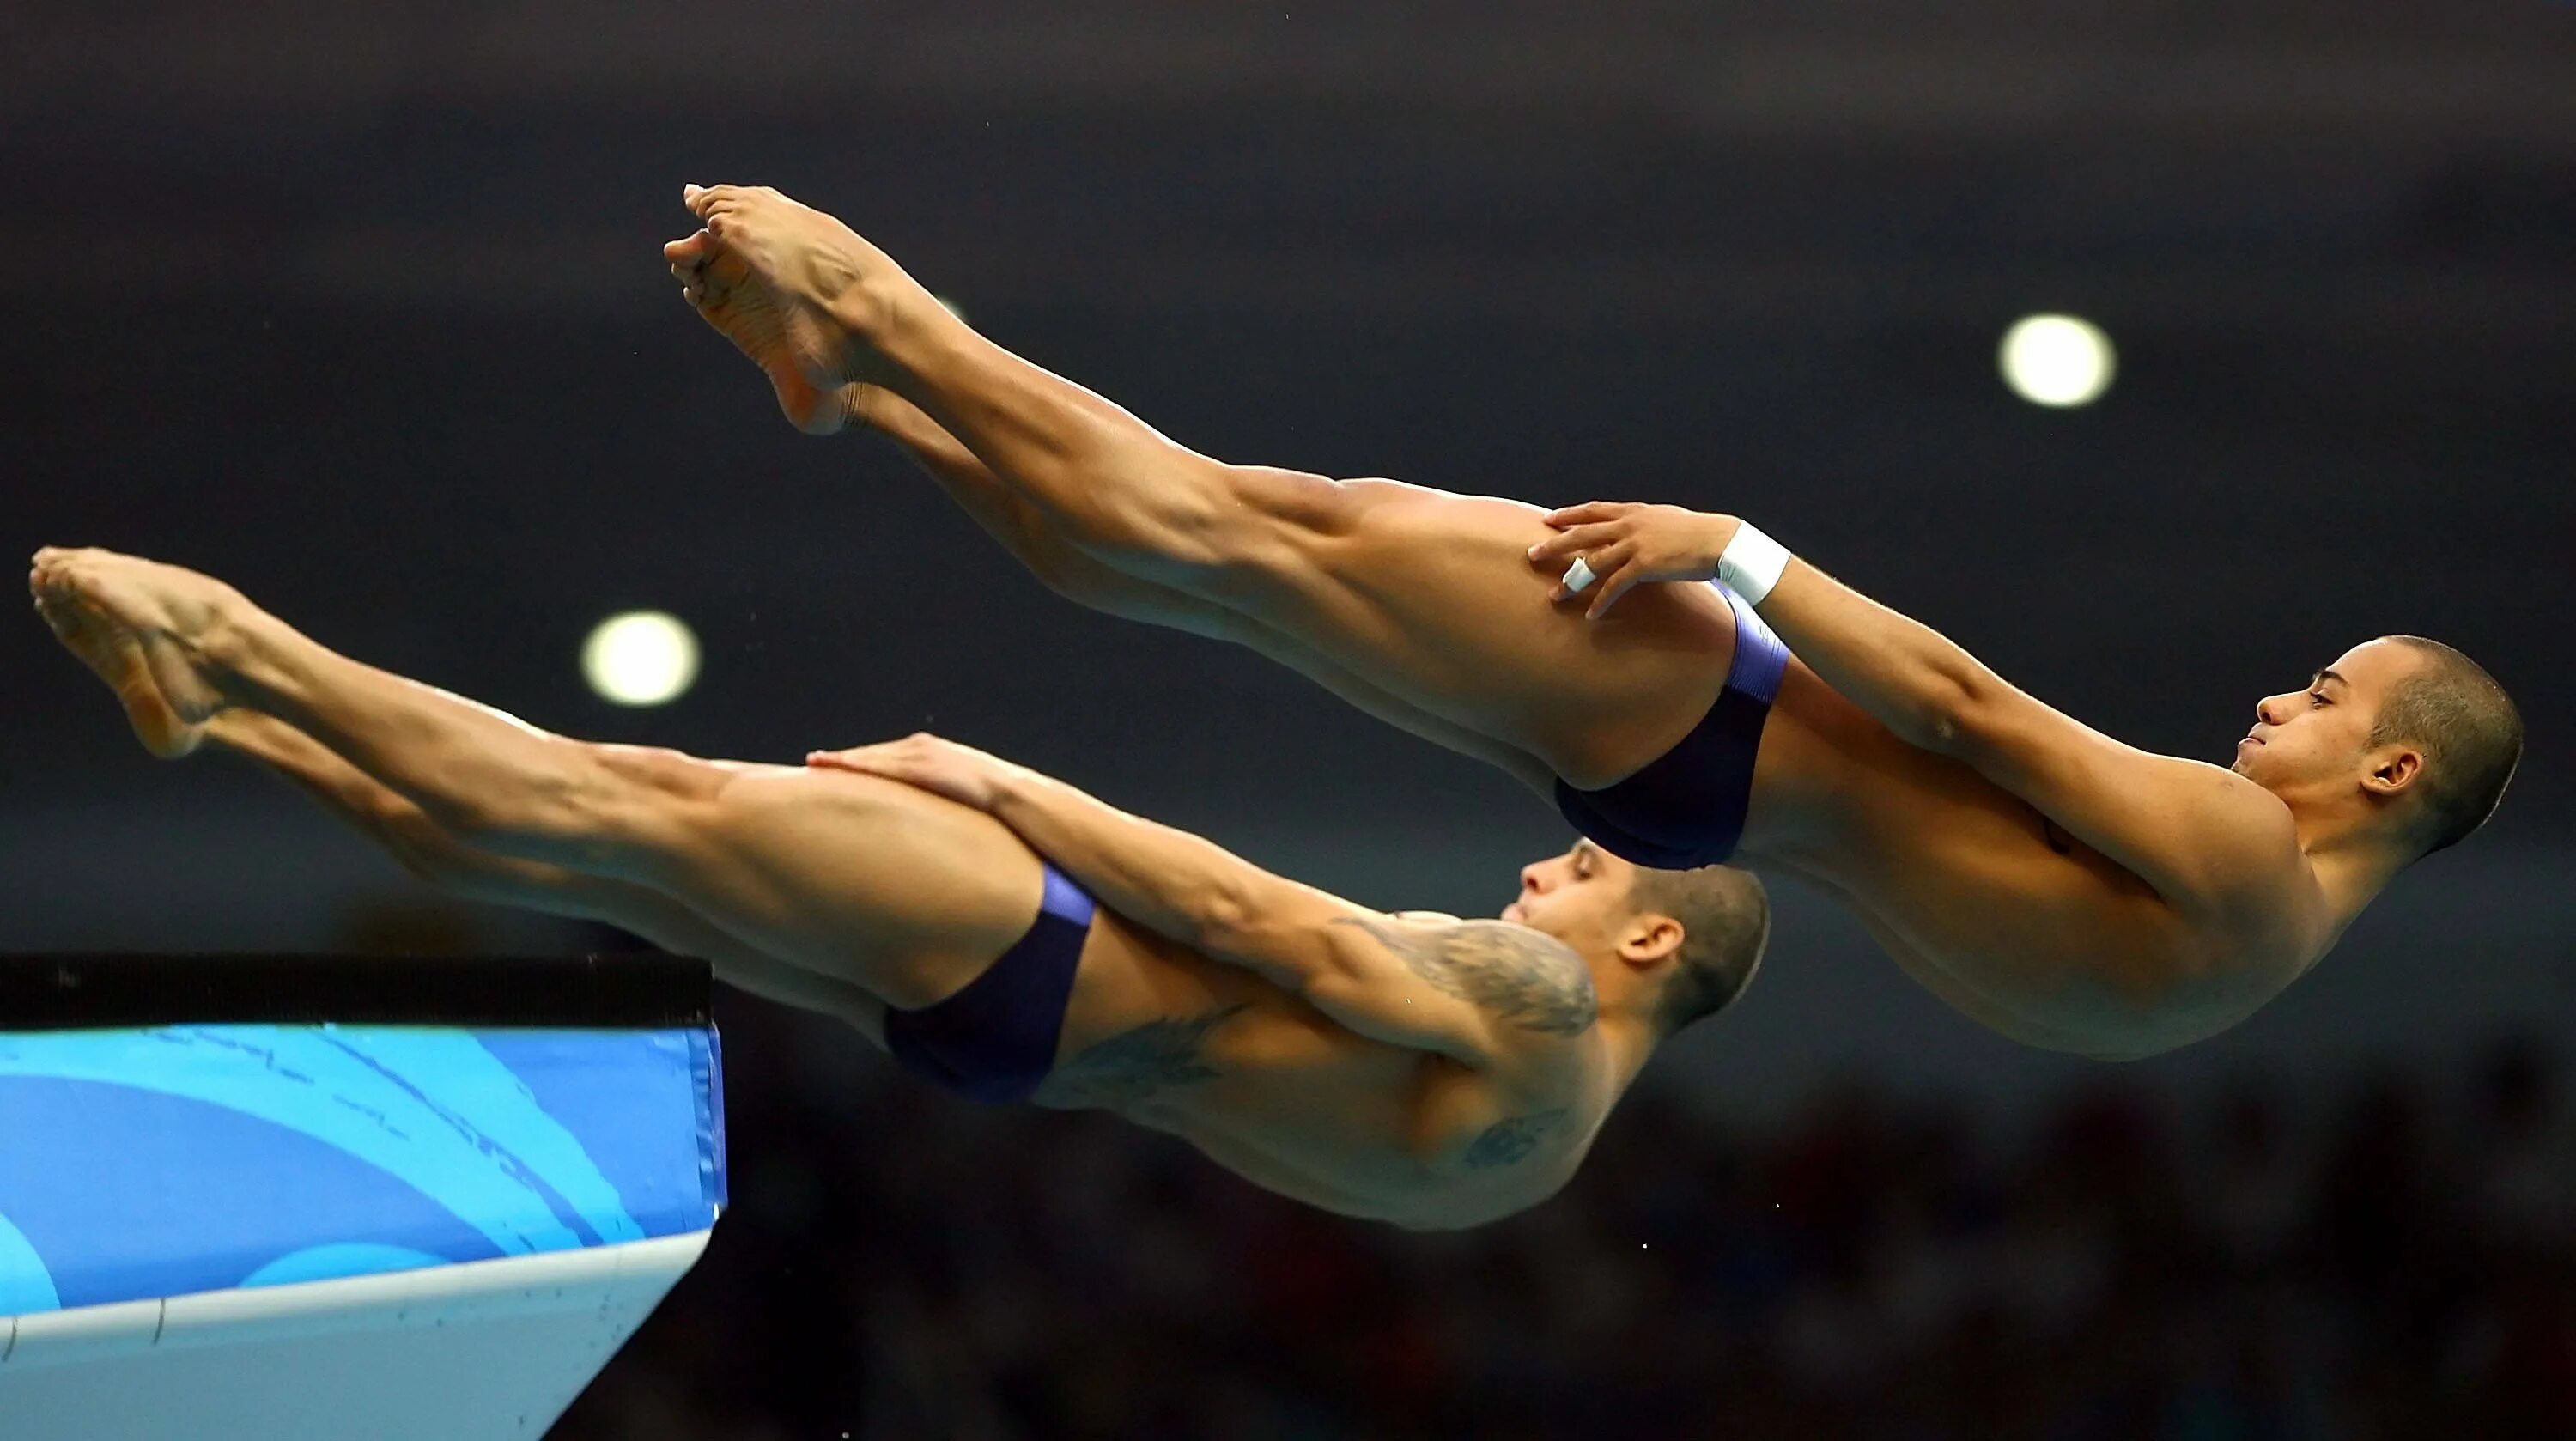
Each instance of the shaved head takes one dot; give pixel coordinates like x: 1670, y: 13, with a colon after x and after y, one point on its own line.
x: 2469, y: 731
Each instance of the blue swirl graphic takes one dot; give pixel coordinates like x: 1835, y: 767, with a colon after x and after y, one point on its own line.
x: 162, y: 1162
x: 26, y: 1286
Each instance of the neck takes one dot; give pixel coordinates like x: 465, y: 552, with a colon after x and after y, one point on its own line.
x: 2352, y: 861
x: 1631, y: 1037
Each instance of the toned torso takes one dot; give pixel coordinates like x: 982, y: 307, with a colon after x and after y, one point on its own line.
x: 1991, y: 905
x: 1266, y: 1086
x: 1430, y: 596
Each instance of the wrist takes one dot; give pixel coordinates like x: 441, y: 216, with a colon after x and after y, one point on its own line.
x: 1751, y: 563
x: 1003, y: 792
x: 1719, y: 533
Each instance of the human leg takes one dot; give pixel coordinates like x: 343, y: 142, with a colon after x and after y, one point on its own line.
x: 716, y: 283
x: 1422, y: 595
x: 432, y: 854
x: 406, y: 833
x: 864, y: 881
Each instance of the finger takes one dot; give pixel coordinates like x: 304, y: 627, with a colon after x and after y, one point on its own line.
x: 1590, y: 510
x: 1613, y: 588
x: 856, y: 763
x: 844, y: 753
x: 1580, y: 539
x: 1578, y: 578
x: 1555, y: 547
x: 691, y: 247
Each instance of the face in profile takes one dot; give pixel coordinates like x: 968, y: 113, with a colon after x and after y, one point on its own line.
x: 1579, y: 897
x: 2318, y: 733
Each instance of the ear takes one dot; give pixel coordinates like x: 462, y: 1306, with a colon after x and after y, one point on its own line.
x: 1650, y: 938
x: 2392, y: 771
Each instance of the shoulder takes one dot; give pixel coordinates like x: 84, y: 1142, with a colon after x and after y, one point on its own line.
x: 2251, y: 839
x: 1526, y: 979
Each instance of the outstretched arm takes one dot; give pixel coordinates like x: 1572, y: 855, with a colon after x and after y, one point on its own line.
x: 2201, y: 836
x: 1462, y: 989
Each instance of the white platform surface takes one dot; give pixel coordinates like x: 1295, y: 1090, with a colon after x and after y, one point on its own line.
x: 476, y: 1352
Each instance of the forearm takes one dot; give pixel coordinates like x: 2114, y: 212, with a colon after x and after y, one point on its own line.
x: 1908, y: 676
x: 1914, y: 680
x: 1169, y: 881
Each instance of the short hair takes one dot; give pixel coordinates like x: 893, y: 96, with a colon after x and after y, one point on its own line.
x: 1725, y: 917
x: 2471, y: 735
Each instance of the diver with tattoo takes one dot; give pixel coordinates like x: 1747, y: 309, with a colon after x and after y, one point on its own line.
x: 999, y: 932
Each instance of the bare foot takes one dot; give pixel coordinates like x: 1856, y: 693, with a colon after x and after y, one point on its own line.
x: 116, y: 657
x: 833, y: 292
x: 173, y: 617
x: 719, y: 284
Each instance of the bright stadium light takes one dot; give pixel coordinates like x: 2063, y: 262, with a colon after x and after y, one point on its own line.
x: 639, y: 658
x: 2056, y: 360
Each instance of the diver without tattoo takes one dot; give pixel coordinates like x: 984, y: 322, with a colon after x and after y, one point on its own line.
x: 1534, y: 981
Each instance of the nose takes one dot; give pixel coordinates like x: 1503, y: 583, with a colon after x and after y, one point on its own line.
x: 1531, y: 875
x: 2268, y: 710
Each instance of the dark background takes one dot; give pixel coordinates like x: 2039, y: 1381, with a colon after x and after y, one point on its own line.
x: 360, y: 307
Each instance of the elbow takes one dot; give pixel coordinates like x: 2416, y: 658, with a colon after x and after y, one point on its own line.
x: 1221, y: 919
x: 1937, y: 731
x: 1951, y: 716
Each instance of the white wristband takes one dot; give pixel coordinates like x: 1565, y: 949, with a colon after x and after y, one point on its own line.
x: 1751, y: 563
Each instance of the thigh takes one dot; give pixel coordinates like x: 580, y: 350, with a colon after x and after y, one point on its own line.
x: 1503, y: 754
x: 858, y: 880
x: 1429, y: 598
x: 631, y: 907
x: 1097, y: 585
x: 683, y: 932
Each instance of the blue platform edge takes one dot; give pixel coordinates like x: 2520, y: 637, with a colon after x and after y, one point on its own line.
x: 145, y: 1163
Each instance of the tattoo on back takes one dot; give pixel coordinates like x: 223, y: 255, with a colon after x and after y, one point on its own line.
x: 1515, y: 974
x: 1141, y: 1062
x: 1510, y: 1140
